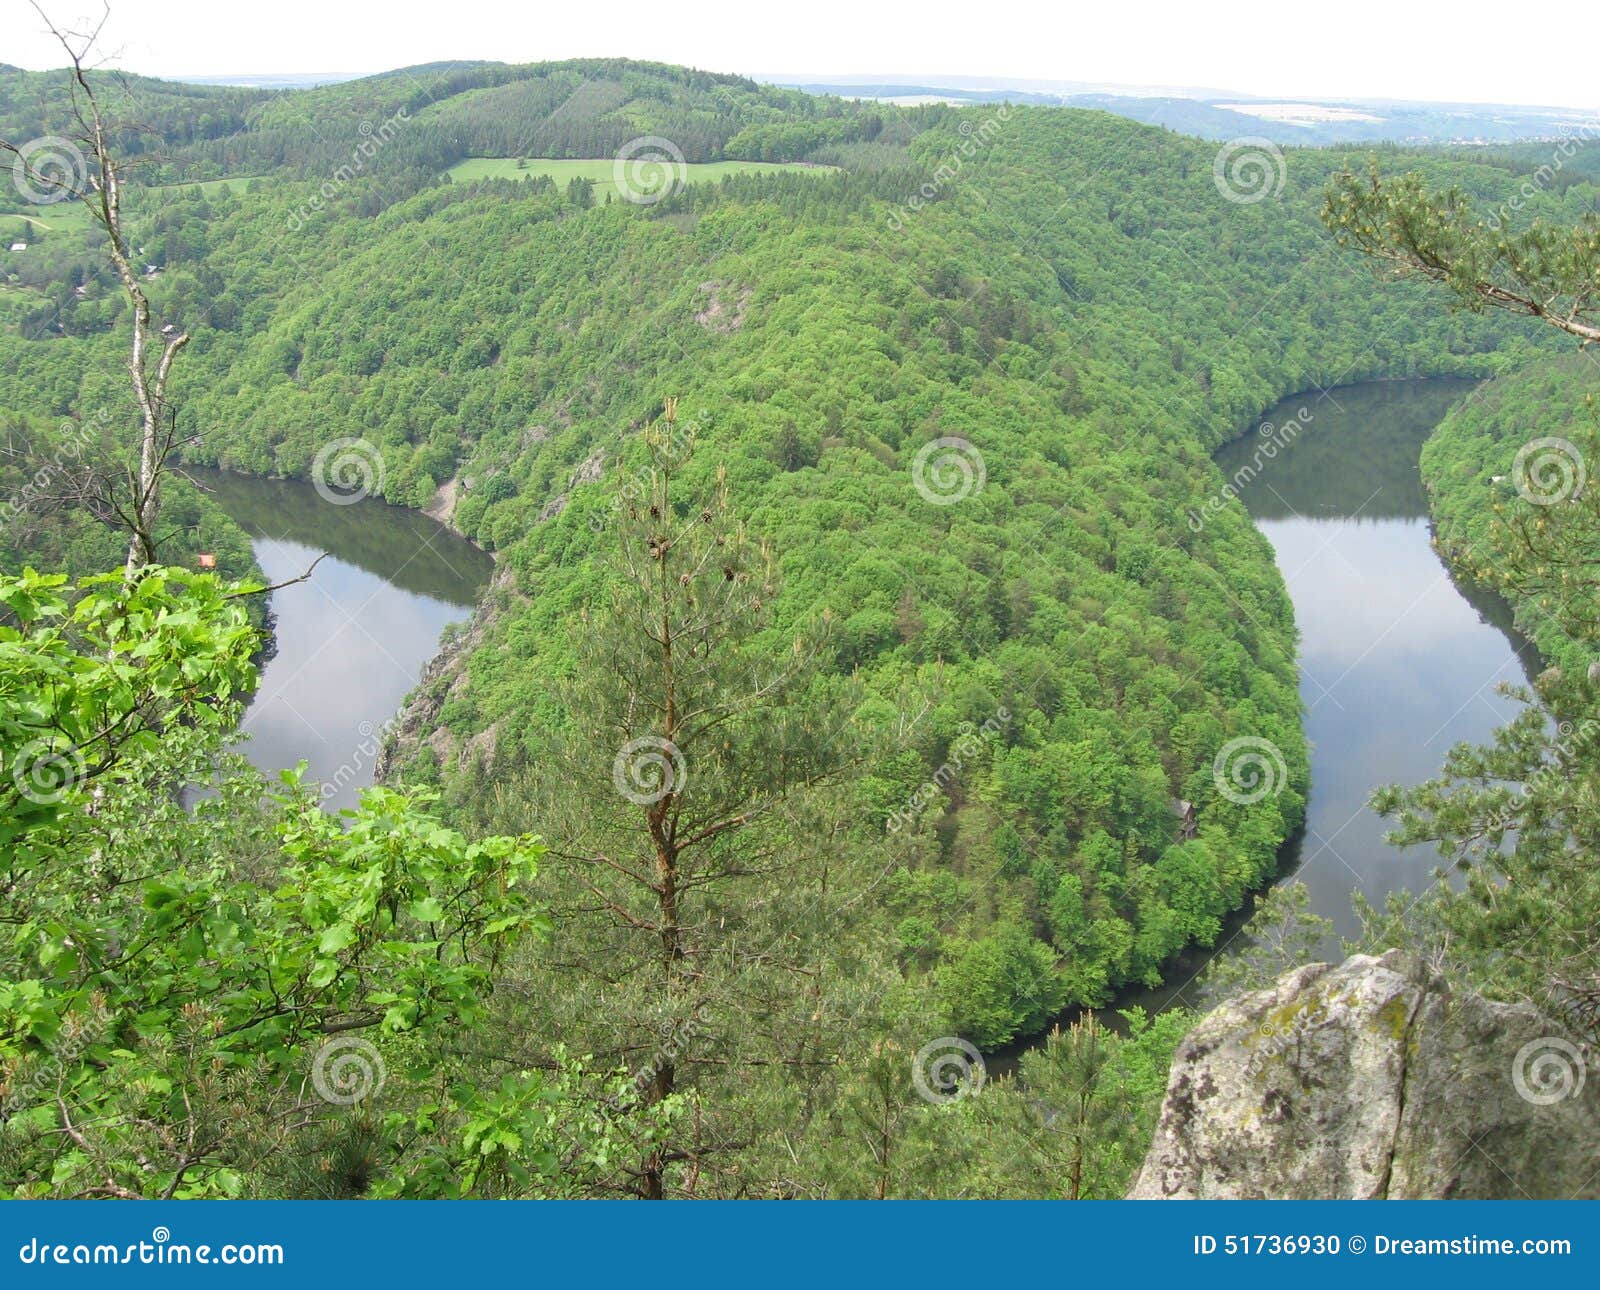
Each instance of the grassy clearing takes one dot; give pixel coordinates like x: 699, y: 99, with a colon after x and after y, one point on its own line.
x: 210, y: 187
x: 59, y: 217
x: 603, y: 172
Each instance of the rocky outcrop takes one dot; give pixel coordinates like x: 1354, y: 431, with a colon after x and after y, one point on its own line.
x: 442, y: 505
x: 724, y: 308
x: 1374, y: 1080
x: 589, y: 471
x: 420, y: 721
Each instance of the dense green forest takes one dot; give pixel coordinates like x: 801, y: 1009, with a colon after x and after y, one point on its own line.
x: 1530, y: 434
x: 923, y: 443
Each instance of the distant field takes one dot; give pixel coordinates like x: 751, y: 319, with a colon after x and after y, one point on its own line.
x: 212, y: 186
x: 58, y: 217
x: 602, y: 171
x: 70, y: 215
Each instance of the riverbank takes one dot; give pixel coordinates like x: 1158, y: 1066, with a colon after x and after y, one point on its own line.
x: 1398, y: 658
x: 352, y: 642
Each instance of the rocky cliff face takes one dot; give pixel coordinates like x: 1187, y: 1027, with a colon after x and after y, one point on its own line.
x: 1373, y: 1079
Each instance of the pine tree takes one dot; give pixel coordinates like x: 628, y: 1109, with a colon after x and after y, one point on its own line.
x: 698, y: 865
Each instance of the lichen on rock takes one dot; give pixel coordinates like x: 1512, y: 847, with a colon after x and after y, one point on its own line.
x: 1370, y: 1080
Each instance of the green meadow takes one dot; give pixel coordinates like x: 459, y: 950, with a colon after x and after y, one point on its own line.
x: 602, y: 172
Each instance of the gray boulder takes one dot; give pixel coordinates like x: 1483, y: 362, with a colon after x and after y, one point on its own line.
x: 1374, y: 1080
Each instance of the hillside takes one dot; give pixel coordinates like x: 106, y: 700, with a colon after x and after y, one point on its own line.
x: 959, y: 380
x: 1529, y: 433
x: 1079, y: 303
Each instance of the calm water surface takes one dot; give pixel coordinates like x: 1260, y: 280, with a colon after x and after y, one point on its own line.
x: 1397, y: 661
x: 353, y: 640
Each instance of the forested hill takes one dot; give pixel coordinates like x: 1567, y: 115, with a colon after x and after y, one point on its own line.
x: 451, y: 110
x: 1484, y: 455
x: 965, y: 386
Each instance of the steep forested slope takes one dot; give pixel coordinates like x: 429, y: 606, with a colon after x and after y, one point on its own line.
x: 1529, y: 433
x: 1079, y: 304
x: 1044, y: 318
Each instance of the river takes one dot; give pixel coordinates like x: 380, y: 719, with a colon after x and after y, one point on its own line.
x: 1397, y: 661
x: 353, y: 639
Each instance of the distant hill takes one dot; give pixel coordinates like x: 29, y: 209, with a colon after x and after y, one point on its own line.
x: 422, y: 120
x: 277, y: 80
x: 214, y: 126
x: 1218, y: 114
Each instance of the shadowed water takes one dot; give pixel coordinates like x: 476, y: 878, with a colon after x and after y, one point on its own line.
x: 1397, y: 662
x: 354, y: 638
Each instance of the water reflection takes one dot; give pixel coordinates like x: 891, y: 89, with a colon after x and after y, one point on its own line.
x: 353, y: 639
x: 1396, y: 662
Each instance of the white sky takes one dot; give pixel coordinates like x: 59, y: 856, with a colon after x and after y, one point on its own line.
x: 1431, y: 49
